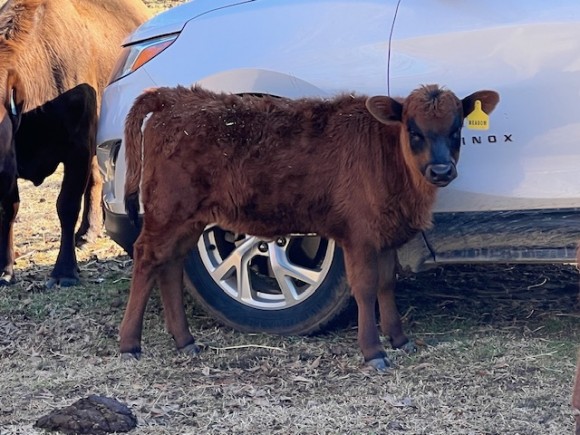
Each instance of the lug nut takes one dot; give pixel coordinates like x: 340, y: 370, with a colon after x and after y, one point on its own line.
x: 263, y: 247
x: 281, y: 241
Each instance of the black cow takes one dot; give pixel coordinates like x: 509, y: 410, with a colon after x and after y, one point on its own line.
x: 34, y: 144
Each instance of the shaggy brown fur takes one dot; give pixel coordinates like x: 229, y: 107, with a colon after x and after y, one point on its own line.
x: 362, y: 171
x: 52, y: 46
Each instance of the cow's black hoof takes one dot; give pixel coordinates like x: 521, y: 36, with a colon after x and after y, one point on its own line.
x: 62, y: 282
x: 191, y: 350
x: 69, y: 282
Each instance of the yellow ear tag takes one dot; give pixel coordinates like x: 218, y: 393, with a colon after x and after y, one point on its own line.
x: 478, y: 119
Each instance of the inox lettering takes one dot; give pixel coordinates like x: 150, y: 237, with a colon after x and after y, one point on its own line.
x: 492, y: 138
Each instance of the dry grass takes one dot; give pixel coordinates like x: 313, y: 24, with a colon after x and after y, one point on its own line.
x: 160, y: 5
x: 497, y: 355
x: 508, y: 374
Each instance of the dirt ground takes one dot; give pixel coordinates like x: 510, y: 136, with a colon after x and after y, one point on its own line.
x: 497, y: 353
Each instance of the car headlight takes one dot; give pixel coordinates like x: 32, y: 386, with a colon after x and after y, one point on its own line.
x: 136, y: 55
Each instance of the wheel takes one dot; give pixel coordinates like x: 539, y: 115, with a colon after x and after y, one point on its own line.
x: 290, y: 285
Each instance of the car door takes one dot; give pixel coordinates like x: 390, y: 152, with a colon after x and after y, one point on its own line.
x: 519, y: 178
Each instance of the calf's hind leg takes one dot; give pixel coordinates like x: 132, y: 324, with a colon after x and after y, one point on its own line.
x: 161, y: 261
x: 142, y: 281
x: 171, y: 287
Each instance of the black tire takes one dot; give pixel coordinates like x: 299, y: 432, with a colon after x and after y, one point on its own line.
x: 313, y: 306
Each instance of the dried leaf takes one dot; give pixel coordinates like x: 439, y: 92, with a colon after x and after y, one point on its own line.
x: 301, y: 379
x: 400, y: 403
x: 316, y: 363
x: 261, y: 401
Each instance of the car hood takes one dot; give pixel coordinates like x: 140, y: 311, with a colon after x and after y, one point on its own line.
x: 173, y: 20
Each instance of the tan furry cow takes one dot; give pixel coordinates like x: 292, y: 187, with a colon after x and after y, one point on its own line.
x: 48, y: 47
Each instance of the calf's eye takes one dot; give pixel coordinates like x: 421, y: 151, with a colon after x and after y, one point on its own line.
x: 415, y: 137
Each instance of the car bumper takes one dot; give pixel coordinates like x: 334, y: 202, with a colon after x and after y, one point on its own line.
x: 121, y: 230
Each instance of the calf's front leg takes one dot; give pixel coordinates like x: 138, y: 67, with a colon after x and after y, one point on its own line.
x: 390, y: 319
x: 363, y: 277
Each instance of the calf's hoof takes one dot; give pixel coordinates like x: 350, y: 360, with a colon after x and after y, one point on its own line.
x: 130, y: 352
x: 62, y: 282
x: 409, y: 347
x: 130, y: 356
x: 191, y: 349
x: 380, y: 364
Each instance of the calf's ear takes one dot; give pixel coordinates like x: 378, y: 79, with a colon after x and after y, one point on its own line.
x: 14, y: 98
x: 385, y: 109
x: 489, y: 100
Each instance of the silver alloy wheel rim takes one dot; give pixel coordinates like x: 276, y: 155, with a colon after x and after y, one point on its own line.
x: 266, y: 274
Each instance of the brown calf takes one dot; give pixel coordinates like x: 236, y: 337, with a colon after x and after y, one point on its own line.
x: 362, y: 171
x: 48, y: 47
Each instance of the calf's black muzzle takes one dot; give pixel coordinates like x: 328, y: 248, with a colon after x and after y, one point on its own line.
x: 441, y: 174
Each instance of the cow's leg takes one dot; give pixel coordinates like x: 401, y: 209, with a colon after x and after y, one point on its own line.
x: 171, y: 288
x: 363, y: 277
x: 390, y: 318
x: 142, y: 282
x: 161, y: 260
x: 68, y: 206
x: 92, y: 217
x: 10, y: 205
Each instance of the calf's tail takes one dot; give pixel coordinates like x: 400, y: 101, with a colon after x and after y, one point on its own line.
x: 150, y: 101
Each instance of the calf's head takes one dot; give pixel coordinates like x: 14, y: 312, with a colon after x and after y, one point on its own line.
x: 10, y: 115
x: 431, y: 119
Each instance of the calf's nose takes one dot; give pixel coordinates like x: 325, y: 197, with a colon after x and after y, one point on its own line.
x: 441, y: 174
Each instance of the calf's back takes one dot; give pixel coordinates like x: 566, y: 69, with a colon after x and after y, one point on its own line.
x: 270, y: 166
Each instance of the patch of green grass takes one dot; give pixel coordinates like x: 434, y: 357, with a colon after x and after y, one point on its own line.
x: 557, y: 325
x: 39, y: 306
